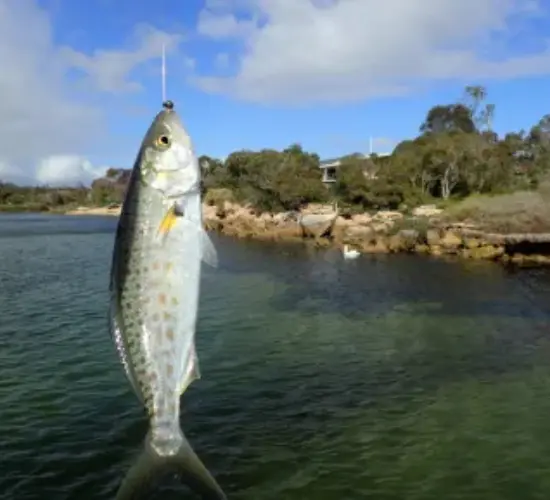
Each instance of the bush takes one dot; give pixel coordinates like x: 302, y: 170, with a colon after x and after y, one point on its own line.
x: 217, y: 197
x: 419, y: 224
x: 519, y: 212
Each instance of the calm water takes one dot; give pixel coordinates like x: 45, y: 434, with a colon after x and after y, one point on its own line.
x: 383, y: 378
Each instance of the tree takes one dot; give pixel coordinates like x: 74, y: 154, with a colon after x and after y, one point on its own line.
x: 475, y: 95
x: 445, y: 118
x: 456, y: 154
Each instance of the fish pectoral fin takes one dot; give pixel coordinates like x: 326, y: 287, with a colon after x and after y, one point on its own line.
x: 168, y: 221
x: 209, y: 253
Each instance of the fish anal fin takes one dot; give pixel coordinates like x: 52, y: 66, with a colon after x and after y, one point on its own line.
x: 192, y: 373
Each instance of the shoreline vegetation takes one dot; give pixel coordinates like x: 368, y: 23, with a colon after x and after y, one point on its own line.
x: 456, y: 189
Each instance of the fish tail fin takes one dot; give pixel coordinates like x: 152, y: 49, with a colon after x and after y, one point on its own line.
x: 150, y: 466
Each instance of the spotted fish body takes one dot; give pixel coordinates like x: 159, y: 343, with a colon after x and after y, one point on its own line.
x: 155, y: 277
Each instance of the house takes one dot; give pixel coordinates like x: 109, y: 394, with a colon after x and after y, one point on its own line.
x: 330, y: 167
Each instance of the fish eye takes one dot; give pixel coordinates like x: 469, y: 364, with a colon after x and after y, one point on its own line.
x: 163, y: 141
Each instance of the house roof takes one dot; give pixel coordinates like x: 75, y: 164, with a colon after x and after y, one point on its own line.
x: 332, y: 162
x: 335, y: 162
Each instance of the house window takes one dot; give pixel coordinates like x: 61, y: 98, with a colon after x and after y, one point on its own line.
x: 329, y: 174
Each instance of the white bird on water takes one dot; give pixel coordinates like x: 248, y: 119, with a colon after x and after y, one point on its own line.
x: 350, y: 254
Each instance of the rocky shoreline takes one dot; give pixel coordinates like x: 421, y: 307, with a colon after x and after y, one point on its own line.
x: 384, y: 232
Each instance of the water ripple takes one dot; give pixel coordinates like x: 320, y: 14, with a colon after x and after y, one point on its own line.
x: 384, y: 379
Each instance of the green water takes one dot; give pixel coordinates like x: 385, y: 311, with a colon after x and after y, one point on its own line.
x: 381, y: 378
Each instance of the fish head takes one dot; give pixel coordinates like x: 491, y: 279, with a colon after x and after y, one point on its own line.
x: 168, y: 161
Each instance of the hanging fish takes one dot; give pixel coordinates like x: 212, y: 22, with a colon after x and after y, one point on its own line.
x: 154, y: 286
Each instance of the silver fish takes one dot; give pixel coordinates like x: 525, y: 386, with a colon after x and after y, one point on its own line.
x: 154, y: 294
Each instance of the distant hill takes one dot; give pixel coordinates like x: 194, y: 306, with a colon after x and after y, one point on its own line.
x: 111, y: 187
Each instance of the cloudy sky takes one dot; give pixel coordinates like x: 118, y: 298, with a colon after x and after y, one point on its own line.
x: 80, y: 81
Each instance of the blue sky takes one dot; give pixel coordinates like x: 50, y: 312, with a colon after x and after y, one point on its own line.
x: 255, y: 73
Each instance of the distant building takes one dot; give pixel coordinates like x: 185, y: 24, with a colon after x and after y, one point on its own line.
x: 330, y: 167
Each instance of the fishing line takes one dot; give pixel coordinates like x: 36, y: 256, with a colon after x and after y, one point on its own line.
x: 163, y: 72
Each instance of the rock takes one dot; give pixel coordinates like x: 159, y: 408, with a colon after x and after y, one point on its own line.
x: 404, y: 240
x: 395, y: 244
x: 421, y: 248
x: 316, y: 208
x: 450, y: 240
x: 229, y: 207
x: 317, y: 225
x: 361, y: 219
x: 371, y: 237
x: 359, y: 232
x: 387, y: 216
x: 279, y: 218
x: 343, y: 222
x: 213, y: 225
x: 433, y: 237
x: 378, y: 245
x: 267, y: 217
x: 435, y: 250
x: 285, y: 217
x: 209, y: 212
x: 410, y: 235
x: 534, y: 259
x: 381, y: 227
x: 322, y: 243
x: 472, y: 242
x: 538, y: 259
x: 486, y: 252
x: 462, y: 225
x: 426, y: 211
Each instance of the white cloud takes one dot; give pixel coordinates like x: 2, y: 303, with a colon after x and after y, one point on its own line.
x: 223, y: 25
x: 46, y: 119
x: 67, y: 170
x: 110, y: 70
x: 343, y: 50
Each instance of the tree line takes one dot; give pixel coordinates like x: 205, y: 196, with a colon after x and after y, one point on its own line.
x: 456, y: 154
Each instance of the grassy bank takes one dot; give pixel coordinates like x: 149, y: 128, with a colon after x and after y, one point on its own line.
x: 519, y: 212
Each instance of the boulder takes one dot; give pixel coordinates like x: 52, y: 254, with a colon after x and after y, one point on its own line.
x: 426, y: 211
x: 317, y: 225
x: 450, y: 240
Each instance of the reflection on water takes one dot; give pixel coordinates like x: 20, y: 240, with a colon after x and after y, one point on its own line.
x: 382, y: 378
